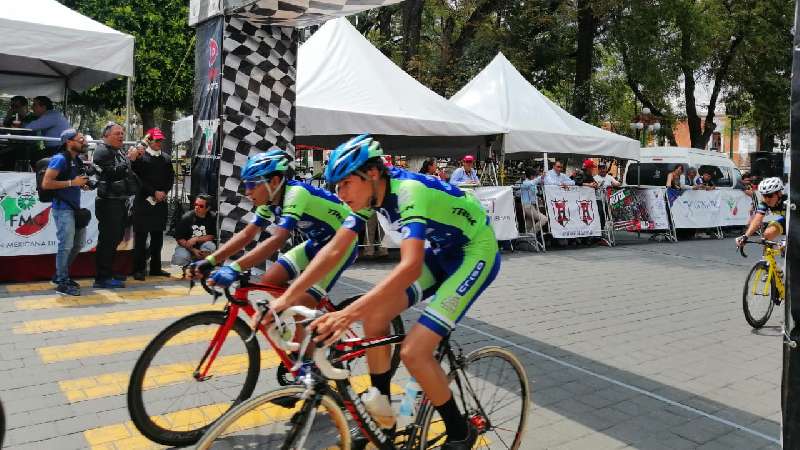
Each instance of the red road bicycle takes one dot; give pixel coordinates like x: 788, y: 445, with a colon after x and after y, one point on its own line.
x: 202, y: 365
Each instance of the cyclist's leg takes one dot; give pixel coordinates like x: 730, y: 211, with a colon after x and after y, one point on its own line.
x: 774, y: 229
x: 470, y: 272
x: 376, y: 324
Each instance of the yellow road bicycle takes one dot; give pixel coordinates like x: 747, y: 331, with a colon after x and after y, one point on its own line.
x: 764, y: 286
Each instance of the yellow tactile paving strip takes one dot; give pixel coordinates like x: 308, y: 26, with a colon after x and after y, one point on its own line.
x: 104, y: 347
x: 109, y: 384
x: 85, y: 283
x: 112, y: 318
x: 101, y: 297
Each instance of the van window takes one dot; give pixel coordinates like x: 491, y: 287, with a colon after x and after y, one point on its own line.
x: 652, y: 174
x: 721, y: 176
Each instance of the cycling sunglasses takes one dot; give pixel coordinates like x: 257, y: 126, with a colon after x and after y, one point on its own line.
x: 250, y: 185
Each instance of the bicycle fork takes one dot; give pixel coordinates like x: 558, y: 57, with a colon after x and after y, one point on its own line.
x: 201, y: 373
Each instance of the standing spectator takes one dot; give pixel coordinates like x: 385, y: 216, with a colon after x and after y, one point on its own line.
x: 428, y: 167
x: 745, y: 184
x: 156, y: 176
x: 585, y: 176
x: 466, y: 174
x: 674, y: 177
x: 604, y: 182
x: 705, y: 180
x: 49, y: 122
x: 530, y: 203
x: 65, y: 177
x: 691, y: 178
x: 556, y: 176
x: 603, y: 179
x: 195, y: 233
x: 116, y: 184
x: 18, y: 113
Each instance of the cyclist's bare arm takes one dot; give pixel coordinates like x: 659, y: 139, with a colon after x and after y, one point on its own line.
x: 755, y: 224
x: 326, y: 259
x: 412, y: 257
x: 265, y: 249
x: 236, y: 243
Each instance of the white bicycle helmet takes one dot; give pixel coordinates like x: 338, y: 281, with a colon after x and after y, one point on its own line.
x: 770, y: 185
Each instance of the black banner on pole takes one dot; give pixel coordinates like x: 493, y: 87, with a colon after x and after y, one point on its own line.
x: 791, y: 353
x: 206, y: 107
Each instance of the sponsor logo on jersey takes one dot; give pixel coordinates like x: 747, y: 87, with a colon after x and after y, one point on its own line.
x: 304, y: 224
x: 472, y: 278
x: 349, y: 222
x: 336, y: 214
x: 465, y: 214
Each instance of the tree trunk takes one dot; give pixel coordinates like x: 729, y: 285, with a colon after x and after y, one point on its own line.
x: 412, y: 30
x: 766, y: 141
x: 692, y: 118
x: 385, y: 15
x: 584, y: 60
x: 166, y: 128
x: 148, y: 119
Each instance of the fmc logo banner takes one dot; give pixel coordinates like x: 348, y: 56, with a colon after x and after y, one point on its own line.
x: 27, y: 226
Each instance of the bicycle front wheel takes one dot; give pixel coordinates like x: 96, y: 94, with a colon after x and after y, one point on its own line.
x: 261, y: 423
x: 757, y: 296
x: 494, y: 386
x: 167, y: 401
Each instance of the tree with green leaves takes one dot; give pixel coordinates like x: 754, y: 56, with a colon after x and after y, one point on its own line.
x: 163, y: 57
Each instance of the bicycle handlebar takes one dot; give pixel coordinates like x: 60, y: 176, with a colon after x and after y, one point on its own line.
x: 762, y: 241
x: 282, y: 331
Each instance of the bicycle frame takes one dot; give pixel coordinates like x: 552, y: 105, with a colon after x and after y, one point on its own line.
x: 238, y: 301
x: 772, y: 273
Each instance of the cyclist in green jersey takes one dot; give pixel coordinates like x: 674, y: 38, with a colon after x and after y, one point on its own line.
x: 291, y: 204
x: 462, y: 260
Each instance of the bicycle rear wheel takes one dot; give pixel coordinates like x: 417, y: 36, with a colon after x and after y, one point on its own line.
x: 494, y: 386
x: 167, y: 403
x: 260, y: 423
x: 757, y: 296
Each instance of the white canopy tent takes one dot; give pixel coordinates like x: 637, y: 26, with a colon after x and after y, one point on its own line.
x: 47, y: 48
x: 534, y: 123
x: 346, y: 86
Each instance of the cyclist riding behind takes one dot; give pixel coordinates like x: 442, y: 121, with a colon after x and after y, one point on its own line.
x: 292, y: 204
x: 463, y: 259
x: 774, y: 201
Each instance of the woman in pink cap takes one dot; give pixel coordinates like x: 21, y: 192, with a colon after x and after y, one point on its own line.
x: 466, y: 174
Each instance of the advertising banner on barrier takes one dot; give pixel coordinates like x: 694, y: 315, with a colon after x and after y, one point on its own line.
x: 695, y: 209
x: 572, y: 211
x: 639, y: 209
x: 27, y: 226
x: 498, y: 201
x: 737, y: 207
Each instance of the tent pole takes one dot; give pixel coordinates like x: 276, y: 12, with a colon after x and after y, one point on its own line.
x: 545, y: 162
x: 66, y: 96
x: 128, y: 89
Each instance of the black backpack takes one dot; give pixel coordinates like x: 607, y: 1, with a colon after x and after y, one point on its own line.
x: 47, y: 195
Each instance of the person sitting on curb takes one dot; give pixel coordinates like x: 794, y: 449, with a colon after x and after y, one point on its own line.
x: 195, y: 233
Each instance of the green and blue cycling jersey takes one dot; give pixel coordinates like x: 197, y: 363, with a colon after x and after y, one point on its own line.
x: 316, y: 214
x: 463, y: 258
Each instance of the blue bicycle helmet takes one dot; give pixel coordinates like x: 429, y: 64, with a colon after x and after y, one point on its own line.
x: 260, y: 165
x: 350, y: 156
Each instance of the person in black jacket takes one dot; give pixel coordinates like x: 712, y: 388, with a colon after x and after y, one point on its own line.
x: 156, y: 176
x: 116, y: 184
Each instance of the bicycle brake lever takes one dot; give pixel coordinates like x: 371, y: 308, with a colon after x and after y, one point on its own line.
x: 262, y: 311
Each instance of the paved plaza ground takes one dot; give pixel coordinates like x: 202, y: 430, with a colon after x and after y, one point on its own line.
x: 639, y: 346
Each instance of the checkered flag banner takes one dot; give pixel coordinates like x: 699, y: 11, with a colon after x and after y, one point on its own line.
x: 258, y: 95
x: 286, y: 13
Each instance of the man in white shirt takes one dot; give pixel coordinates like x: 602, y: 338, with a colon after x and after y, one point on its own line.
x: 556, y: 176
x: 604, y: 180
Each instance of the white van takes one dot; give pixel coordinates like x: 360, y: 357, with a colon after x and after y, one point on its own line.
x: 656, y: 162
